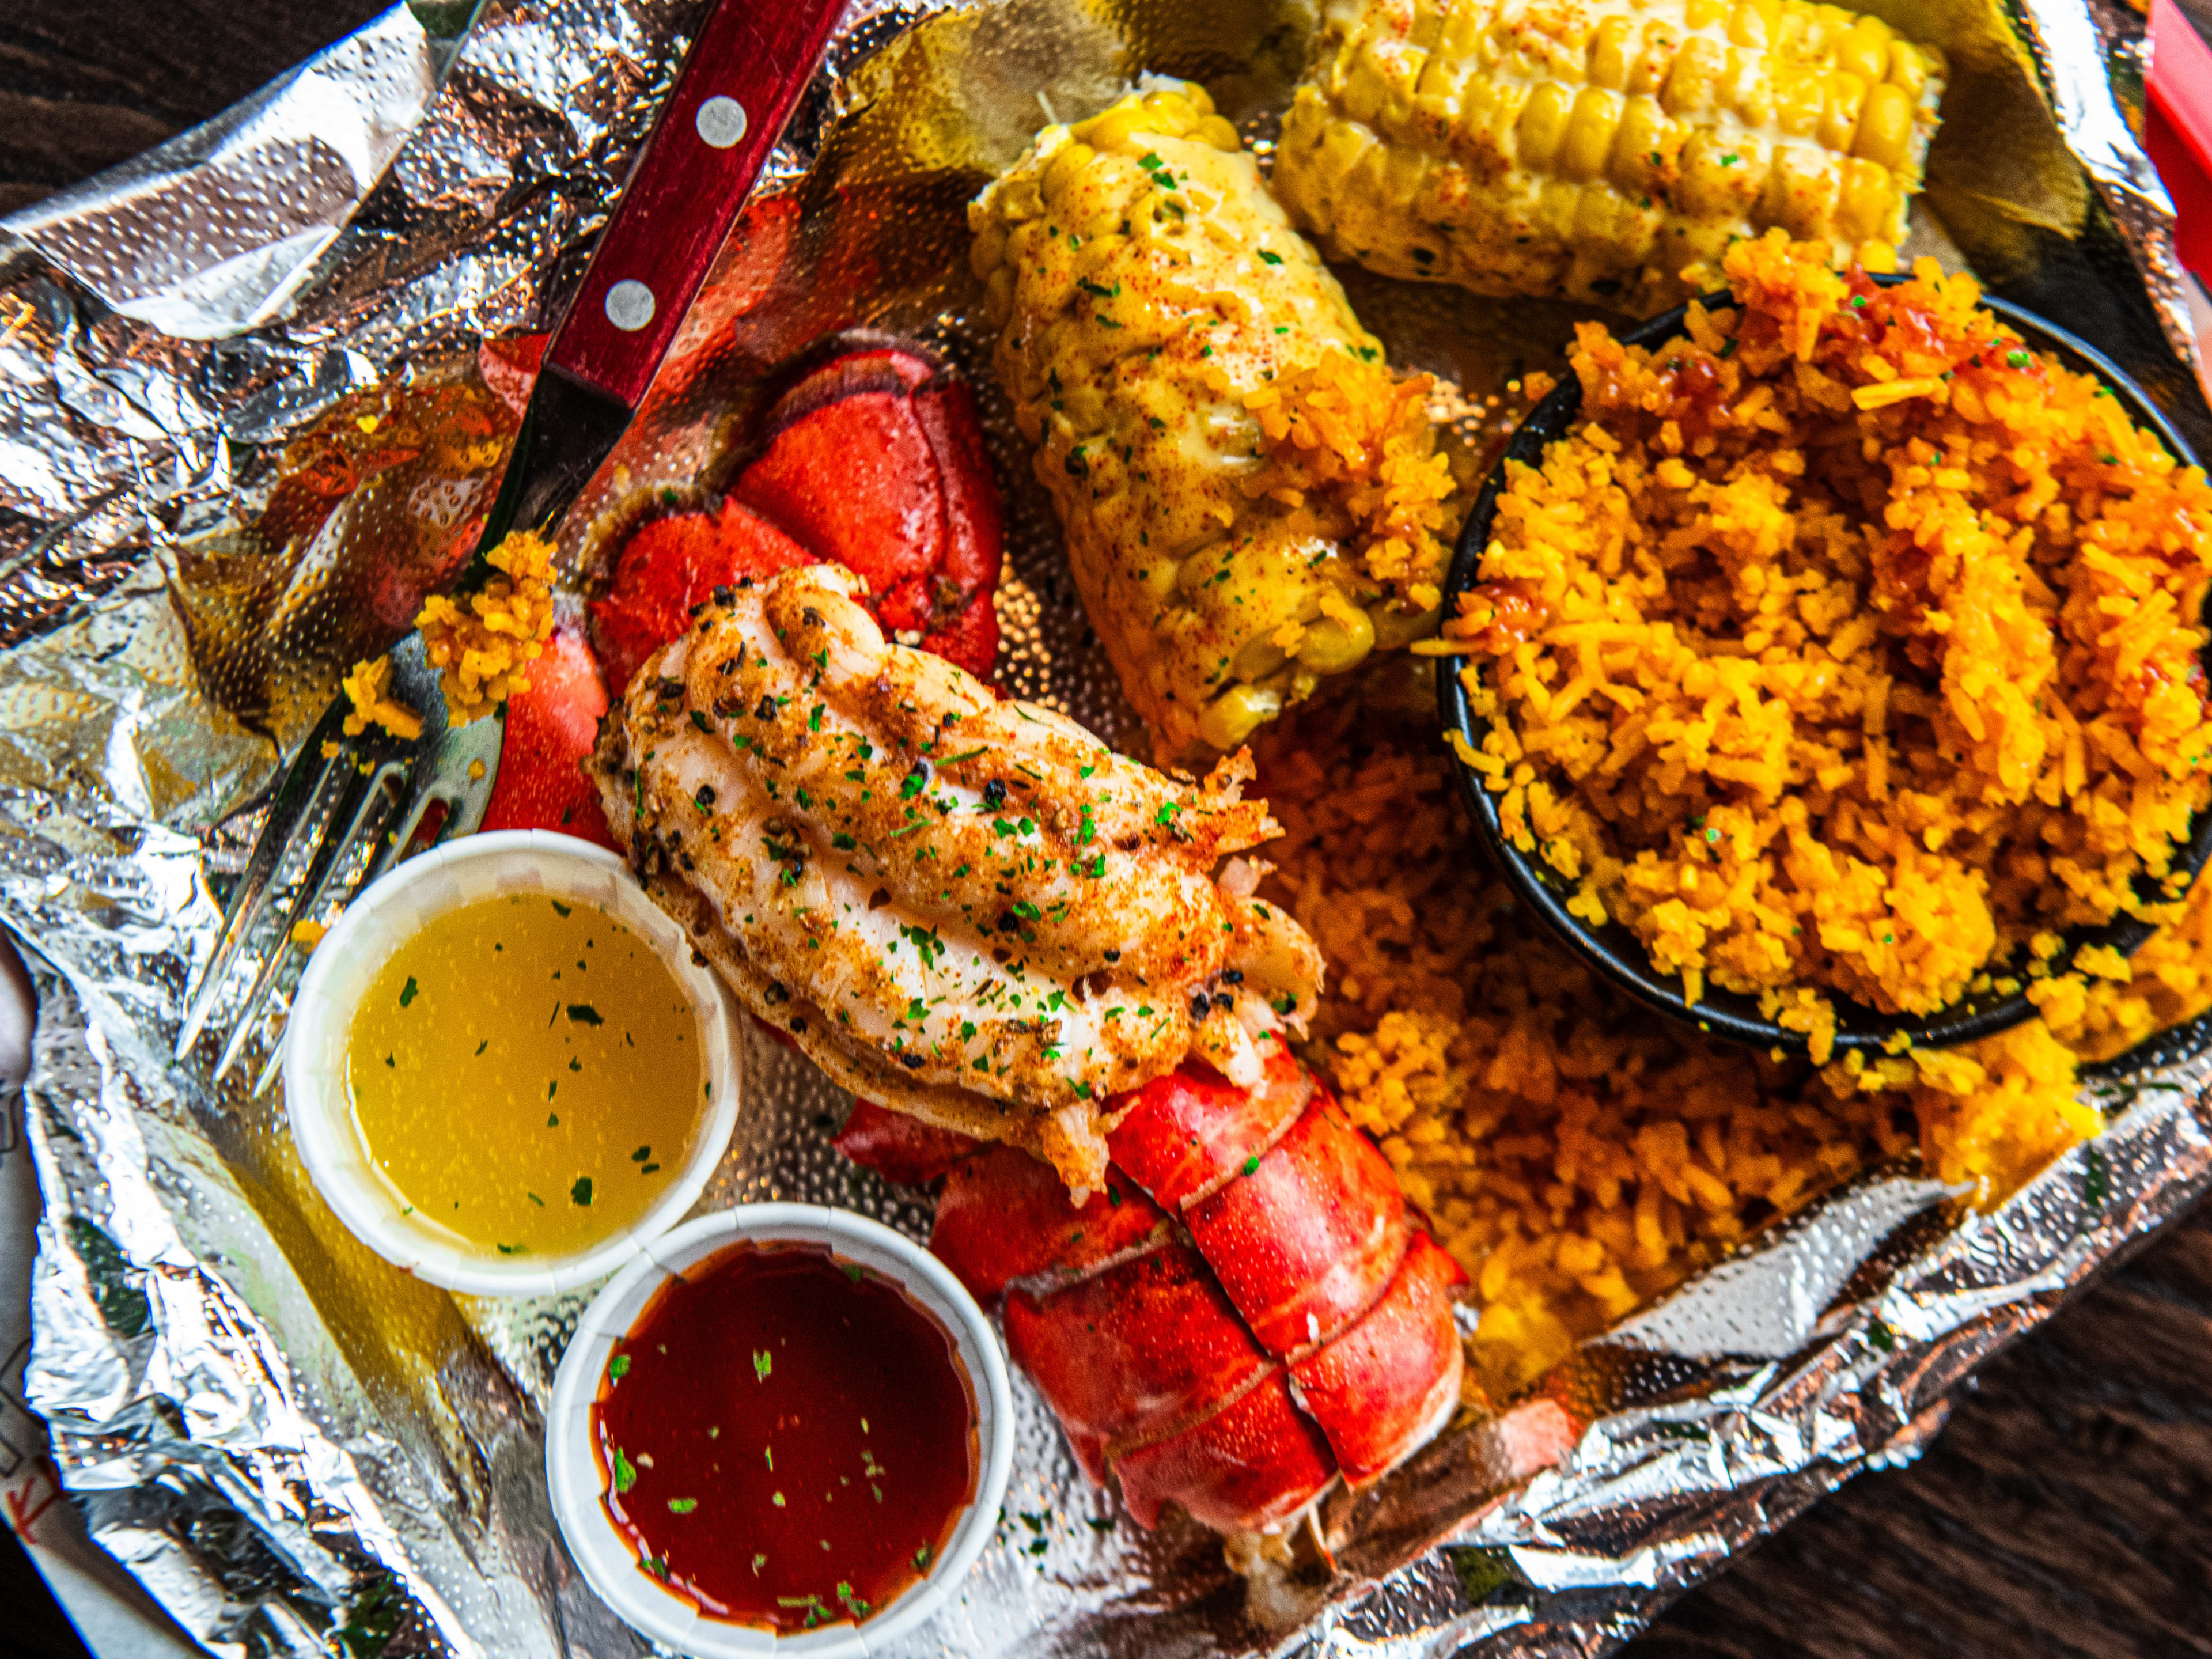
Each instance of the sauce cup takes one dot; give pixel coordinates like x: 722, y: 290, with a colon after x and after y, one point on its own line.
x: 573, y: 1475
x: 339, y: 974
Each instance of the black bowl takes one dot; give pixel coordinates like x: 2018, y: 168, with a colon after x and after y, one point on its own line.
x: 1617, y: 953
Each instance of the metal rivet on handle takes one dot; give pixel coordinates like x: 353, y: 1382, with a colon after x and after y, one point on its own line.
x: 629, y: 305
x: 721, y: 122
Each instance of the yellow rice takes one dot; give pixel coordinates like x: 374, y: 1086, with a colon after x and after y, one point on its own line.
x: 482, y: 647
x: 1578, y: 1155
x: 1846, y: 645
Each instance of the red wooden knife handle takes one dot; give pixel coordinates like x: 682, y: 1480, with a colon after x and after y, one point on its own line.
x: 2178, y: 128
x: 747, y: 66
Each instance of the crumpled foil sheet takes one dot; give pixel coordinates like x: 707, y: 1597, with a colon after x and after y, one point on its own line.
x: 301, y: 1450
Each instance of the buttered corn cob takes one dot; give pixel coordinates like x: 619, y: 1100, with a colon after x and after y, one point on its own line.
x: 1604, y: 150
x: 1252, y: 502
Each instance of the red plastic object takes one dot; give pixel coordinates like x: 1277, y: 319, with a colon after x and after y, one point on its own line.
x: 2177, y: 129
x: 747, y: 66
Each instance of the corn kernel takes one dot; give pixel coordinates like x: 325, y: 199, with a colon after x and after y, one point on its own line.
x: 1870, y: 204
x: 1591, y: 131
x: 1542, y: 126
x: 1865, y: 51
x: 1608, y: 53
x: 1066, y: 167
x: 988, y: 251
x: 1639, y: 145
x: 1886, y: 127
x: 1335, y: 643
x: 1839, y: 110
x: 1257, y: 658
x: 1799, y: 94
x: 1693, y: 84
x: 1111, y: 129
x: 1236, y: 714
x: 1752, y: 24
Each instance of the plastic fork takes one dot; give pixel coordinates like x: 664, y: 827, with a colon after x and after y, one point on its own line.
x: 350, y: 807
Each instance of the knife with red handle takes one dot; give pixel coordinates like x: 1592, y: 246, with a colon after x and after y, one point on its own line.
x: 748, y: 64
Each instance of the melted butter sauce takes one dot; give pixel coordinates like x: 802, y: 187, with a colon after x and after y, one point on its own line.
x: 785, y: 1439
x: 525, y: 1074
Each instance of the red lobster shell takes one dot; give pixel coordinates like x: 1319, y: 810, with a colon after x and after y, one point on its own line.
x: 866, y: 451
x: 1244, y: 1313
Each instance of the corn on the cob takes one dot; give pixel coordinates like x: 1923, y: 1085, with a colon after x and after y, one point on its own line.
x: 1251, y: 501
x: 1604, y: 150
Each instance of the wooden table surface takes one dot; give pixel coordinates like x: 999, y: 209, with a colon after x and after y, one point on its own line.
x: 2066, y: 1511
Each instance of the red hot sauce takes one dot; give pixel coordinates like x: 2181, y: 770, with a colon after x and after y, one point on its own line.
x: 784, y: 1438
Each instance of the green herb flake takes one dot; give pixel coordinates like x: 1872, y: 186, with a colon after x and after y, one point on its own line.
x: 618, y: 1368
x: 625, y: 1472
x: 408, y: 992
x: 682, y: 1505
x: 581, y: 1192
x: 563, y: 909
x: 582, y: 1013
x: 763, y: 1362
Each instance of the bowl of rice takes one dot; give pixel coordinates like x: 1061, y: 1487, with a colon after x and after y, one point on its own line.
x: 1825, y: 660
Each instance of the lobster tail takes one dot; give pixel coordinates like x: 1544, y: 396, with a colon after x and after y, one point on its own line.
x: 1243, y: 1313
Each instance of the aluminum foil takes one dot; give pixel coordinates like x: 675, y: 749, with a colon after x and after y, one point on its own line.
x: 299, y: 1449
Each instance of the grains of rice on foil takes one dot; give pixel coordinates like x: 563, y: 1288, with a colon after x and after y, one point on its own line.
x: 1577, y: 1154
x: 481, y: 644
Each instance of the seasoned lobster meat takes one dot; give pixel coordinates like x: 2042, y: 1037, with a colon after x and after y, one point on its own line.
x: 970, y: 909
x: 1241, y: 1313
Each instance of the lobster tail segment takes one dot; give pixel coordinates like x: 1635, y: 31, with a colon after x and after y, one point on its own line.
x: 1384, y: 1388
x: 1251, y: 1466
x: 1005, y: 1219
x: 1243, y: 1313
